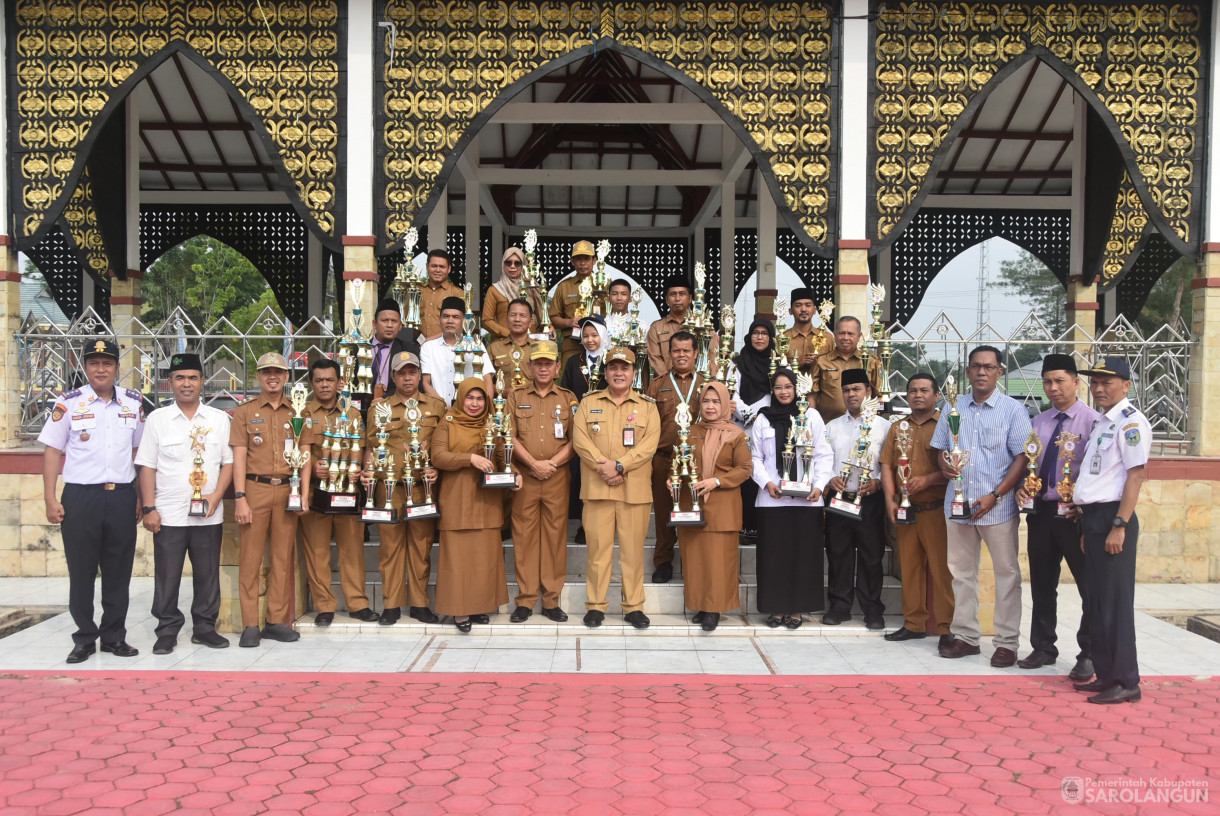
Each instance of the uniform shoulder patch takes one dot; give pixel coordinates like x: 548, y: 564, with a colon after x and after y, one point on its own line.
x: 1132, y: 436
x: 73, y: 394
x: 648, y: 399
x: 1129, y: 410
x: 57, y: 413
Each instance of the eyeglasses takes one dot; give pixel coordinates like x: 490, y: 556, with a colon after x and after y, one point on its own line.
x: 990, y: 369
x: 512, y: 263
x: 788, y: 387
x: 760, y: 333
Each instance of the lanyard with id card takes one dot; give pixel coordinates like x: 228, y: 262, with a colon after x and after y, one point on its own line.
x: 558, y: 422
x: 629, y: 432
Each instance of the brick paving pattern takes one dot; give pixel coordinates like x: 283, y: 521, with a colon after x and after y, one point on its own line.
x: 228, y: 743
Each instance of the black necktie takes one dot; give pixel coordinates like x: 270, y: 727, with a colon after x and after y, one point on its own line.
x: 1050, y: 458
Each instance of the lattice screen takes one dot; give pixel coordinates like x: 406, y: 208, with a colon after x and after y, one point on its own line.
x: 60, y: 263
x: 1154, y: 260
x: 814, y: 271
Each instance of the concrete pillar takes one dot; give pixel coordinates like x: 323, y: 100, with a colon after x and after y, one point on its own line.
x: 852, y: 280
x: 474, y: 274
x: 360, y: 263
x: 728, y: 229
x: 126, y: 302
x: 764, y: 286
x: 438, y: 223
x: 1204, y: 373
x: 1083, y: 307
x: 10, y: 380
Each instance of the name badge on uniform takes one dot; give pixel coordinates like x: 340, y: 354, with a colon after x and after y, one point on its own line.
x: 558, y: 423
x: 629, y: 432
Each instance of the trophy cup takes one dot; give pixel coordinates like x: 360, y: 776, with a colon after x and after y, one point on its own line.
x: 825, y: 310
x: 1066, y: 443
x: 779, y: 355
x: 635, y: 339
x: 857, y: 466
x: 341, y: 443
x: 407, y: 286
x: 724, y: 355
x: 601, y: 282
x: 684, y: 467
x: 698, y: 323
x: 198, y: 479
x: 956, y: 458
x: 294, y: 456
x: 881, y: 339
x: 799, y: 448
x: 356, y: 350
x: 466, y: 354
x: 499, y: 426
x: 1033, y: 449
x: 415, y: 459
x: 534, y: 281
x: 382, y: 468
x: 902, y: 445
x: 586, y: 298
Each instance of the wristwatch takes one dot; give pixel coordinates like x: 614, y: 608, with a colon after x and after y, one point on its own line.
x: 239, y: 495
x: 1120, y: 522
x: 618, y: 467
x: 997, y: 495
x: 717, y: 482
x: 147, y: 510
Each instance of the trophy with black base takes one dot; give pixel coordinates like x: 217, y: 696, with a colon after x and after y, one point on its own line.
x: 336, y: 493
x: 684, y: 468
x: 857, y: 467
x: 956, y: 458
x: 1033, y: 483
x: 416, y: 460
x: 902, y: 445
x: 799, y: 448
x: 198, y: 478
x: 407, y: 288
x: 383, y: 470
x: 295, y: 456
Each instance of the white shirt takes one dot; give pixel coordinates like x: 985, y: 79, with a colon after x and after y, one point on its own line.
x: 436, y: 359
x: 96, y: 437
x: 766, y: 468
x: 1121, y: 440
x: 167, y: 447
x: 843, y: 432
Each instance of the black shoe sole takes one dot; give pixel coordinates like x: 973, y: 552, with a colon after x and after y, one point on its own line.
x: 556, y: 616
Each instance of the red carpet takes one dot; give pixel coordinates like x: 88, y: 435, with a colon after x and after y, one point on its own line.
x: 246, y: 743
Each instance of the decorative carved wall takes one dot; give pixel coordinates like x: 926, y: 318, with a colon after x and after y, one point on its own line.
x: 81, y: 218
x: 767, y: 65
x: 1143, y: 62
x: 73, y: 58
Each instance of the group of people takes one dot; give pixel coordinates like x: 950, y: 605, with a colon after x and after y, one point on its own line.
x: 584, y: 438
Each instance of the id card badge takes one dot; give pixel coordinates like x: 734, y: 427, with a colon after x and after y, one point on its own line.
x: 288, y: 445
x: 1095, y: 465
x: 629, y: 437
x: 559, y: 430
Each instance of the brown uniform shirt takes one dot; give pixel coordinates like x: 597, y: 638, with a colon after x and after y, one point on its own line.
x: 463, y: 502
x: 566, y: 301
x: 801, y: 344
x: 734, y: 464
x: 658, y: 343
x: 668, y: 398
x: 599, y: 435
x: 501, y: 351
x: 399, y: 429
x: 317, y: 419
x: 534, y: 418
x: 923, y: 457
x: 495, y: 312
x: 827, y: 373
x: 430, y: 300
x: 263, y: 431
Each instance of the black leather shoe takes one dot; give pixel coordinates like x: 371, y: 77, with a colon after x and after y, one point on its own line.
x: 556, y: 614
x: 390, y: 616
x: 520, y: 614
x: 697, y: 617
x: 463, y: 626
x: 120, y: 649
x: 594, y: 618
x: 250, y: 637
x: 1082, y: 671
x: 213, y: 640
x: 835, y: 618
x: 874, y: 623
x: 1117, y: 694
x: 637, y: 619
x: 81, y: 652
x: 793, y: 621
x: 944, y: 642
x: 904, y: 634
x: 1037, y: 659
x: 580, y: 535
x: 165, y: 644
x: 324, y: 619
x: 281, y: 632
x: 423, y: 614
x: 663, y: 574
x: 1093, y: 686
x: 482, y: 620
x: 365, y: 615
x: 710, y: 621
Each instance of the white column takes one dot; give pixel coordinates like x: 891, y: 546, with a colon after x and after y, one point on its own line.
x: 854, y: 121
x: 766, y: 244
x: 728, y: 227
x: 360, y: 153
x: 438, y: 222
x: 885, y: 275
x: 1211, y: 187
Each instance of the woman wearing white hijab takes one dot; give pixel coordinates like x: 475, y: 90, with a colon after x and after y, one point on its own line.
x: 504, y: 291
x: 586, y: 367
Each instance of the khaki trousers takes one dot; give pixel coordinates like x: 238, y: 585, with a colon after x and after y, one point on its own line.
x: 273, y: 524
x: 317, y: 531
x: 663, y: 505
x: 604, y: 518
x: 964, y: 550
x: 540, y: 538
x: 405, y: 560
x: 922, y: 548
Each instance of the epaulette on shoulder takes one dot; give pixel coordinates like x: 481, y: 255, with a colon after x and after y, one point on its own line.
x: 647, y: 398
x: 73, y: 394
x: 133, y: 394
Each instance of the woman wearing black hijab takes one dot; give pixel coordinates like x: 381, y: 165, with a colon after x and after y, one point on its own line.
x: 753, y: 393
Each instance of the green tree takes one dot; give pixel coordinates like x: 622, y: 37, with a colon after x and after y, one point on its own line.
x: 1037, y: 289
x: 1170, y: 298
x: 206, y: 278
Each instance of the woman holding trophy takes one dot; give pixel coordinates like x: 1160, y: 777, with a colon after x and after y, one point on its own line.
x: 470, y: 577
x: 719, y: 449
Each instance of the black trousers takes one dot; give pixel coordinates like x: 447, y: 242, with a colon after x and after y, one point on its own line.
x: 1051, y: 541
x: 854, y: 551
x: 99, y: 532
x: 1111, y: 595
x: 170, y: 549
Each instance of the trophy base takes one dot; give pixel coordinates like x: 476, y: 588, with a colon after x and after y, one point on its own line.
x: 1027, y: 507
x: 1065, y: 511
x: 294, y: 503
x: 338, y: 503
x: 198, y: 508
x: 418, y: 512
x: 686, y: 518
x: 905, y: 515
x: 499, y: 480
x: 797, y: 490
x: 960, y: 510
x: 379, y: 515
x: 845, y: 508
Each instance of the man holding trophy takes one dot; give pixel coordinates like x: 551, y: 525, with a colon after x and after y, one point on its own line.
x: 993, y: 429
x: 186, y: 465
x: 1054, y: 532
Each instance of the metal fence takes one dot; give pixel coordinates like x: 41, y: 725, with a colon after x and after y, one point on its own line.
x: 50, y: 363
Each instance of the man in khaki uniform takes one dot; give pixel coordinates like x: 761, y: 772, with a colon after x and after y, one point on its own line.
x: 512, y: 354
x: 317, y: 528
x: 678, y: 299
x: 405, y: 558
x: 681, y: 384
x: 805, y: 342
x: 616, y: 436
x: 542, y: 445
x: 260, y: 433
x: 566, y: 300
x: 433, y: 294
x: 828, y: 369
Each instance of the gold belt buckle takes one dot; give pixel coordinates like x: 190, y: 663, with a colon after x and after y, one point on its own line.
x: 109, y: 486
x: 275, y: 481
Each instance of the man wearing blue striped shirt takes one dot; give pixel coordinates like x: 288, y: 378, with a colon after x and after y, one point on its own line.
x: 994, y: 428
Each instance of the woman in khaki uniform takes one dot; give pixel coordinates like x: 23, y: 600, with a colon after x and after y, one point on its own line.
x: 504, y: 291
x: 470, y: 578
x: 709, y: 553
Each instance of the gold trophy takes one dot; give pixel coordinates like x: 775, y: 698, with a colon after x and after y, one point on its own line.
x: 499, y: 426
x: 295, y: 456
x: 601, y: 281
x: 799, y: 448
x: 957, y: 458
x: 1033, y: 484
x: 408, y: 283
x: 198, y: 478
x: 415, y: 459
x: 684, y: 468
x: 382, y: 467
x: 779, y: 355
x: 857, y: 466
x: 699, y: 323
x: 341, y: 441
x: 902, y: 445
x: 466, y: 354
x: 881, y: 339
x: 535, y: 282
x: 1066, y: 443
x: 635, y: 339
x: 356, y: 348
x: 825, y: 310
x: 724, y: 355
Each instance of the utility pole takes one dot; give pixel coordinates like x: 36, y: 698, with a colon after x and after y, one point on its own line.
x: 984, y: 264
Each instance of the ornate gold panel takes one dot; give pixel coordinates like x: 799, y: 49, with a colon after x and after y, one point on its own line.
x: 80, y: 215
x: 1141, y: 60
x: 73, y: 55
x: 1127, y: 229
x: 767, y: 63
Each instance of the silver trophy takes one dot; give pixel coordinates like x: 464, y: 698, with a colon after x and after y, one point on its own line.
x: 857, y: 466
x: 499, y: 426
x: 799, y: 448
x: 684, y: 468
x: 416, y: 460
x: 383, y: 470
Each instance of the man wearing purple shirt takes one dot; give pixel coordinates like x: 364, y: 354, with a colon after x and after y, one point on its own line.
x: 1052, y: 538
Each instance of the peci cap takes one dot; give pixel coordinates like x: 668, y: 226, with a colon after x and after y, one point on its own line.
x: 272, y: 359
x: 1110, y: 367
x: 675, y: 282
x: 1058, y: 362
x: 582, y: 248
x: 100, y: 348
x: 453, y: 302
x: 800, y: 293
x: 544, y: 350
x: 185, y: 362
x: 853, y: 376
x: 403, y: 358
x: 387, y: 305
x: 622, y: 353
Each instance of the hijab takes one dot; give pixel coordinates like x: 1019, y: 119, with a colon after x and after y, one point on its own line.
x: 592, y: 357
x: 465, y: 431
x: 754, y: 366
x: 780, y: 416
x: 511, y: 289
x: 717, y: 433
